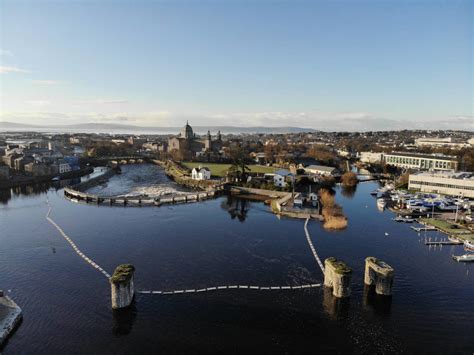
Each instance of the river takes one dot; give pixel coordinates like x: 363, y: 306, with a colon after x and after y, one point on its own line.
x: 66, y: 303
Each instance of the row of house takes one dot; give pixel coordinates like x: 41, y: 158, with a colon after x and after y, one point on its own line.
x: 36, y: 160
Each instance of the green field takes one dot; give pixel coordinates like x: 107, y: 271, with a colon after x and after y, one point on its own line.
x: 450, y: 228
x: 221, y: 169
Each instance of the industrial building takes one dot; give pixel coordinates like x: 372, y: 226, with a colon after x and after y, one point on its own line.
x: 417, y: 161
x: 454, y: 184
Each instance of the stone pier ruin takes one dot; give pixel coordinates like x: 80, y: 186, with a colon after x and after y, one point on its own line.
x: 380, y: 274
x: 337, y: 275
x: 122, y: 288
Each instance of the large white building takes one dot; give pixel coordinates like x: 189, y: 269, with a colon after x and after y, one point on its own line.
x: 453, y: 184
x: 370, y: 157
x: 440, y: 142
x: 430, y: 162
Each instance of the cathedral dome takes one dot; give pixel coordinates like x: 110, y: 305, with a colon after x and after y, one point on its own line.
x: 187, y: 131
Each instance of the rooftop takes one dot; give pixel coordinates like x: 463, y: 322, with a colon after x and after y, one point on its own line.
x: 422, y: 155
x: 321, y: 167
x: 460, y: 175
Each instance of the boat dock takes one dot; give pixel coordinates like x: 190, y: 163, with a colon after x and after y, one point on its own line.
x: 424, y: 229
x: 443, y: 242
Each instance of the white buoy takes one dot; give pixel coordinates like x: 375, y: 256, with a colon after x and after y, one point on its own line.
x: 386, y: 234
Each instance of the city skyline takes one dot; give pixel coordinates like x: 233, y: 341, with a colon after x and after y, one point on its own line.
x: 322, y: 65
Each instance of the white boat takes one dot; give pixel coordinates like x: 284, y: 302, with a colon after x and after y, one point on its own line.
x: 469, y: 246
x: 465, y: 257
x: 405, y: 219
x: 56, y: 178
x: 381, y: 203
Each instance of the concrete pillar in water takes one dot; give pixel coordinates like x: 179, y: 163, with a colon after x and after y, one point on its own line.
x: 380, y: 274
x: 121, y: 286
x: 337, y: 275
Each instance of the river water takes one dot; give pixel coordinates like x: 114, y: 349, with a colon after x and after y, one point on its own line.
x: 66, y: 303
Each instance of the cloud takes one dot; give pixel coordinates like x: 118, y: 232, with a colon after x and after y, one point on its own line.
x: 104, y: 102
x: 6, y: 70
x: 6, y: 53
x: 46, y: 82
x: 336, y: 121
x: 38, y: 102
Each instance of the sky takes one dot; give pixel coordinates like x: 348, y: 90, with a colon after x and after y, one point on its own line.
x: 331, y: 65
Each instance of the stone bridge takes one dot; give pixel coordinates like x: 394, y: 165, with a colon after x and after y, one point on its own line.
x: 123, y: 160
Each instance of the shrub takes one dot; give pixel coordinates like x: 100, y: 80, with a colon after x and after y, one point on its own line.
x: 332, y: 212
x: 349, y: 179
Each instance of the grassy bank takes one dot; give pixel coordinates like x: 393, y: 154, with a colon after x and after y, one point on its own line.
x: 220, y: 170
x: 449, y: 228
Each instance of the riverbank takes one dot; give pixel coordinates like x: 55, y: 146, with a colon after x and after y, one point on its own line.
x: 22, y: 180
x: 452, y: 229
x: 180, y: 174
x: 10, y: 317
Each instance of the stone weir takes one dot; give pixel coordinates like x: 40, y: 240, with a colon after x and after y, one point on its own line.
x: 78, y: 193
x: 10, y: 317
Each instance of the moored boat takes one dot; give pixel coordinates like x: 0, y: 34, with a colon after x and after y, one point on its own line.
x: 469, y: 246
x: 465, y: 257
x: 381, y: 203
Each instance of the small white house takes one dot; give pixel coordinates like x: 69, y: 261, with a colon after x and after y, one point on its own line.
x: 281, y: 177
x: 201, y: 173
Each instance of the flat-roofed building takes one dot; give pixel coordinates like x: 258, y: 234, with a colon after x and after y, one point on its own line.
x: 453, y: 184
x: 320, y: 170
x: 370, y: 157
x: 422, y: 161
x: 440, y: 142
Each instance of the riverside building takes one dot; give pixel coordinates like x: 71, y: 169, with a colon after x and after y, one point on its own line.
x: 430, y: 162
x: 454, y: 184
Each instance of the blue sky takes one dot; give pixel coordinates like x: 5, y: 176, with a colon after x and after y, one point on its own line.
x: 320, y: 64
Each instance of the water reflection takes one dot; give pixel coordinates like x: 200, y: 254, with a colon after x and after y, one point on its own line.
x: 236, y: 207
x: 336, y: 308
x: 378, y: 304
x: 123, y: 320
x: 36, y: 189
x: 348, y: 191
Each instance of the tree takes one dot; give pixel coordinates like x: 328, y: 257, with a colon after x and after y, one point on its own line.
x: 239, y: 167
x: 323, y: 154
x: 349, y: 179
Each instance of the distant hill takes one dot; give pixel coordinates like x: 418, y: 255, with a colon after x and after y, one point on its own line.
x: 14, y: 125
x: 109, y: 127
